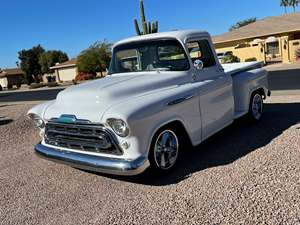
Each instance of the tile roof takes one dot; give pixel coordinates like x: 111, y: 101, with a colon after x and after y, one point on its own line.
x: 11, y: 72
x: 268, y: 26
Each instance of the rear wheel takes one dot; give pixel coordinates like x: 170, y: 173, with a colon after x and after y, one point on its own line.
x: 164, y: 152
x: 256, y: 107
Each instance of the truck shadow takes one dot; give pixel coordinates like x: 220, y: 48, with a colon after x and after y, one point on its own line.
x: 229, y: 145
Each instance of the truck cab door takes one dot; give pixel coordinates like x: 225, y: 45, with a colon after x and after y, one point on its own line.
x: 215, y: 88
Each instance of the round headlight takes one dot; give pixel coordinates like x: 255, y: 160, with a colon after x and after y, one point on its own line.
x: 38, y: 121
x: 119, y: 127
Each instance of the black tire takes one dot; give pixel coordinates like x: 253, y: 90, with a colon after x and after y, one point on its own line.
x: 162, y: 159
x: 256, y: 107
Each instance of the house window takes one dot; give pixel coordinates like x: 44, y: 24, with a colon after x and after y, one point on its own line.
x: 273, y: 48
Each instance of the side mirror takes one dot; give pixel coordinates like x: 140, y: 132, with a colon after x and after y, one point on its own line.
x: 198, y: 64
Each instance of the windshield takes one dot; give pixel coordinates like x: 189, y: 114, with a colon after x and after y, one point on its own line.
x: 162, y: 55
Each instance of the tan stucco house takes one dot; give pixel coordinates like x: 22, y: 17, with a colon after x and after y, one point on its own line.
x: 273, y: 39
x: 10, y: 77
x: 65, y: 71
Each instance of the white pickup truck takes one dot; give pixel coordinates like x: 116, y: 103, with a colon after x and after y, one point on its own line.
x: 163, y: 91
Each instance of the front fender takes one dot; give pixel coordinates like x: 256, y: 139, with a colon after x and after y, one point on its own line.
x: 146, y: 114
x: 40, y: 108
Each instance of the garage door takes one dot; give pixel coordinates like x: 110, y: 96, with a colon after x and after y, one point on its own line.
x: 67, y: 74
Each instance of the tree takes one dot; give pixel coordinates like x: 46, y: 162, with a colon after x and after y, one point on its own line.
x: 95, y: 59
x: 30, y: 62
x: 148, y: 27
x: 50, y: 58
x: 294, y: 4
x: 242, y: 23
x: 285, y: 4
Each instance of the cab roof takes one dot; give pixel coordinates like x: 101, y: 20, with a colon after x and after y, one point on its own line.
x: 181, y: 35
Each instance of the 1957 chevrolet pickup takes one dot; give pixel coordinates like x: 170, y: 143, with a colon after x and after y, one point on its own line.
x: 163, y: 91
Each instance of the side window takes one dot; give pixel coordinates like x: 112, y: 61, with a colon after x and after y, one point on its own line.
x: 201, y: 50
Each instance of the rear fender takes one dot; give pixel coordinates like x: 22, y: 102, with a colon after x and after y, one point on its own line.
x: 244, y: 84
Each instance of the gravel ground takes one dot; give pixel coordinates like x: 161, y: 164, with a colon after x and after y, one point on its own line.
x: 246, y: 174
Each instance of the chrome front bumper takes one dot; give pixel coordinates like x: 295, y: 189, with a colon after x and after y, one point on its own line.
x: 93, y: 163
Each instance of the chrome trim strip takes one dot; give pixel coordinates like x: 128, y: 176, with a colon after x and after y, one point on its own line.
x: 180, y: 100
x: 93, y: 163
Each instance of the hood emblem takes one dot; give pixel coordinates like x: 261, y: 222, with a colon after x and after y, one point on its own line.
x: 67, y: 119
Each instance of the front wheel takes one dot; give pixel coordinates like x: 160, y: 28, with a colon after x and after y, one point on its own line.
x: 164, y: 152
x: 256, y: 107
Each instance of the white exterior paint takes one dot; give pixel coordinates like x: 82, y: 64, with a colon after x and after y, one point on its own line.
x: 3, y: 82
x: 67, y: 73
x: 214, y: 98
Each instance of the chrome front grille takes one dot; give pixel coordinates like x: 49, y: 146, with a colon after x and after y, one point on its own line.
x: 85, y: 137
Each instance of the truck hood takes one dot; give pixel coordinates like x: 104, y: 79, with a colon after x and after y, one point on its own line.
x: 90, y: 100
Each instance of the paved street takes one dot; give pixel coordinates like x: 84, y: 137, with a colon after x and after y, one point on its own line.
x: 36, y: 95
x: 246, y: 174
x: 284, y: 79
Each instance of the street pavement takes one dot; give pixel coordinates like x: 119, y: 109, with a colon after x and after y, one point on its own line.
x: 284, y: 79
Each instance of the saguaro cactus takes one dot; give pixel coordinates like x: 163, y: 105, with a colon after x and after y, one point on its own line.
x: 147, y: 27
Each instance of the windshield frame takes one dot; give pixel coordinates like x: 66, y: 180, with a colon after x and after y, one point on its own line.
x: 149, y: 42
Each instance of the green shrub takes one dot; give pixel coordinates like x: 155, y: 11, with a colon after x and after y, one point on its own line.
x: 253, y: 59
x: 230, y: 59
x: 36, y: 85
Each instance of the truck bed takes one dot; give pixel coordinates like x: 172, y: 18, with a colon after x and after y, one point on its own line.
x: 235, y: 68
x: 246, y: 77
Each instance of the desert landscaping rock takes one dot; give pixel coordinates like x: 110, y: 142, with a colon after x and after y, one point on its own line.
x: 246, y: 174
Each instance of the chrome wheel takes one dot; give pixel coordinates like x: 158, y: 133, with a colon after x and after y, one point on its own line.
x: 257, y: 106
x: 166, y: 150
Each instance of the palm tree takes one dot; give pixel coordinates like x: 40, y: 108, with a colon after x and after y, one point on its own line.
x: 285, y: 4
x: 294, y: 4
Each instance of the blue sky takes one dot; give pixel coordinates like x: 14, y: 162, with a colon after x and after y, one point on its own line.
x: 72, y: 25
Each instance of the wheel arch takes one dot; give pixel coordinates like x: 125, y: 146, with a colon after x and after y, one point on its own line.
x: 260, y: 91
x: 176, y: 123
